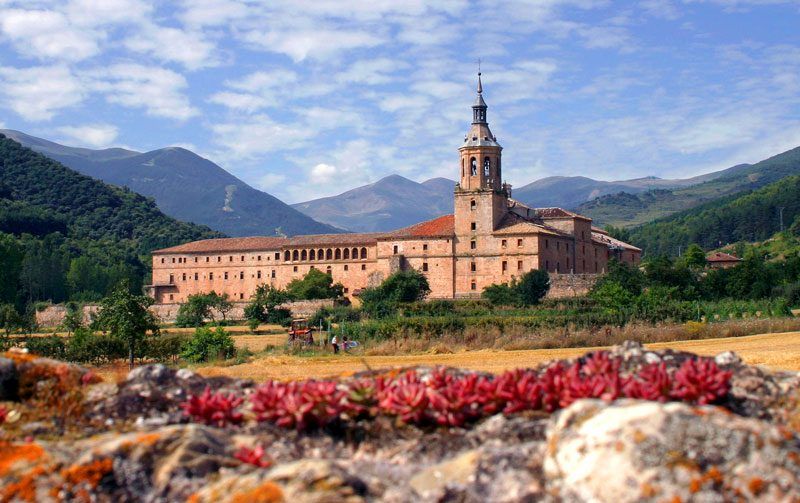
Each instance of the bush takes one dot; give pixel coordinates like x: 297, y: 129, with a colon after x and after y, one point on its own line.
x: 50, y: 347
x: 87, y: 347
x: 400, y: 288
x: 528, y: 291
x: 200, y: 307
x: 263, y: 306
x: 207, y: 345
x: 501, y: 295
x: 167, y: 347
x: 335, y: 314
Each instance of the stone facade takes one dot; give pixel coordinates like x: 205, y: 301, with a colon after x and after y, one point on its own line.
x: 490, y: 238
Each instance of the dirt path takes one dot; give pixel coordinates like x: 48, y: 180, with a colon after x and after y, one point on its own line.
x: 778, y: 351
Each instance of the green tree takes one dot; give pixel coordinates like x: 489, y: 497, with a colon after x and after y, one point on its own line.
x: 695, y: 256
x: 613, y: 296
x: 532, y: 287
x: 10, y: 320
x: 264, y: 306
x: 73, y: 317
x: 628, y: 277
x: 406, y: 286
x: 11, y: 255
x: 207, y: 345
x: 126, y: 316
x: 315, y: 285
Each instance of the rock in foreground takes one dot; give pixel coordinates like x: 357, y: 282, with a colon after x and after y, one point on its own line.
x: 706, y: 431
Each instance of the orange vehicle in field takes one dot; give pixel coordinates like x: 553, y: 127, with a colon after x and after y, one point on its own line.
x: 300, y: 332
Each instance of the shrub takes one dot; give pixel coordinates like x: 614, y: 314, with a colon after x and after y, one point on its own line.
x: 50, y: 347
x: 532, y: 287
x: 165, y: 347
x: 206, y: 345
x: 86, y: 346
x: 501, y: 294
x: 263, y: 306
x: 335, y: 314
x: 200, y: 307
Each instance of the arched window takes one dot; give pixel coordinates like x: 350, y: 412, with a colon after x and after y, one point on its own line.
x: 329, y: 254
x: 328, y: 270
x: 312, y: 255
x: 295, y: 255
x: 363, y: 253
x: 346, y: 253
x: 487, y: 164
x: 321, y: 254
x: 287, y: 256
x: 337, y: 254
x: 304, y: 255
x: 354, y: 253
x: 473, y: 163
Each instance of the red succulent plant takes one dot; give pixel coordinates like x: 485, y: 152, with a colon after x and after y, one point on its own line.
x: 700, y: 381
x: 255, y: 456
x: 214, y: 409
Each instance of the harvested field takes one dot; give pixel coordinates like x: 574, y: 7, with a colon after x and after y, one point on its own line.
x: 777, y: 351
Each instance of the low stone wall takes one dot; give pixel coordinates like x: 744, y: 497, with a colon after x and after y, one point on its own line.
x: 571, y: 285
x: 53, y: 316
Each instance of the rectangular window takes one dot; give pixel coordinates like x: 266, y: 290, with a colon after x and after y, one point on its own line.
x: 504, y: 243
x: 473, y: 266
x: 183, y: 278
x: 171, y: 297
x: 273, y: 273
x: 241, y: 275
x: 346, y: 290
x: 173, y: 260
x: 425, y: 247
x: 473, y: 286
x: 519, y: 243
x: 259, y: 257
x: 395, y: 249
x: 211, y: 275
x: 242, y: 258
x: 558, y: 245
x: 277, y: 255
x: 219, y: 259
x: 171, y: 279
x: 363, y: 267
x: 230, y: 258
x: 196, y: 276
x: 207, y: 259
x: 472, y: 205
x: 546, y: 265
x: 226, y: 275
x: 473, y: 244
x: 241, y: 296
x: 424, y: 267
x: 195, y: 260
x: 473, y: 226
x: 519, y: 265
x: 258, y: 274
x: 505, y: 266
x: 567, y: 246
x: 294, y: 268
x: 345, y: 267
x: 162, y: 260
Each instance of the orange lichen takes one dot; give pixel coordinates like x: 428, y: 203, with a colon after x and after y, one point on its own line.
x: 712, y: 475
x: 19, y: 357
x: 10, y: 454
x: 756, y: 485
x: 649, y: 490
x: 23, y: 489
x: 89, y: 474
x: 268, y: 492
x: 148, y: 439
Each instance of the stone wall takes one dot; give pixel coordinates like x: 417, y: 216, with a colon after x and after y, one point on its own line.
x: 53, y: 316
x: 570, y: 285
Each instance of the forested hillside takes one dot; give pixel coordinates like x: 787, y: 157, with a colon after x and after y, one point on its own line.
x: 754, y: 216
x: 625, y: 209
x: 67, y: 236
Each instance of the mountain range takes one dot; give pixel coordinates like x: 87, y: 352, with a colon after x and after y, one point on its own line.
x: 185, y: 186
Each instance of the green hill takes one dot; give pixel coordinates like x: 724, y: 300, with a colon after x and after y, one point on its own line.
x: 626, y: 210
x: 754, y: 216
x: 64, y: 235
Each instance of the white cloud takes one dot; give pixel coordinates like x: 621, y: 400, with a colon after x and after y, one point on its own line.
x: 38, y: 93
x: 91, y: 135
x: 323, y: 173
x: 256, y: 136
x: 47, y: 34
x: 272, y: 181
x: 199, y: 13
x: 317, y: 44
x: 188, y: 48
x: 158, y: 91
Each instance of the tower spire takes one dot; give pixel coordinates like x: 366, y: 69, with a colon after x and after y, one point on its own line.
x: 479, y: 108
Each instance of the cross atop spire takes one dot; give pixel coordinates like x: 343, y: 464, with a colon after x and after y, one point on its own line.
x: 479, y: 108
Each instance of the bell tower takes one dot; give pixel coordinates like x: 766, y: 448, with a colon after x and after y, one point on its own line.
x: 481, y: 197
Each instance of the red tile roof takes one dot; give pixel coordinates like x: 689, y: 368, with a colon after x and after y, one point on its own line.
x: 558, y: 213
x: 722, y: 257
x: 443, y: 226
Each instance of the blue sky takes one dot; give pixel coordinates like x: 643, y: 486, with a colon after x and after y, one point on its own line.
x: 310, y: 98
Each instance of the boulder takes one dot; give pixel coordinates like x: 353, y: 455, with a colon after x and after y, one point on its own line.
x: 9, y: 380
x: 647, y: 451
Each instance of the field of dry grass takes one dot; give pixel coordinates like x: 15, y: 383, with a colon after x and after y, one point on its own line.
x: 777, y: 351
